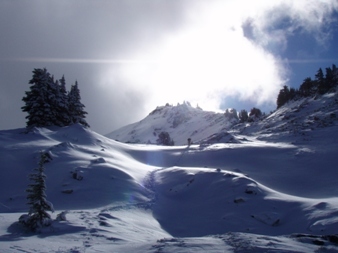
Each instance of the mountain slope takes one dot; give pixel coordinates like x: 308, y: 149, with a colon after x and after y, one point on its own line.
x: 87, y: 170
x: 296, y: 118
x: 181, y: 122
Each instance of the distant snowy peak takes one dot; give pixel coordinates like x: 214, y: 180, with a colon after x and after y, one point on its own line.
x: 181, y: 122
x: 176, y: 115
x: 297, y: 117
x: 185, y: 107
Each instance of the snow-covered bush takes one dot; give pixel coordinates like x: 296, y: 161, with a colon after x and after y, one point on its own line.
x: 61, y: 216
x: 164, y: 139
x: 78, y: 175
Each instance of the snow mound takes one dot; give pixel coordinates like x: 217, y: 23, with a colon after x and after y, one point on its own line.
x: 202, y: 201
x: 222, y: 137
x: 85, y: 170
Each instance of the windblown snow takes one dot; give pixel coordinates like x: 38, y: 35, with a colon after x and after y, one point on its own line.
x: 265, y: 186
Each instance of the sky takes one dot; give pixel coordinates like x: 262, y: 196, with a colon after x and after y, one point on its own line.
x: 130, y: 56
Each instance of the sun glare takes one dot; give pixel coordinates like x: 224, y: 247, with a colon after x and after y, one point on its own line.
x: 201, y: 64
x: 208, y: 60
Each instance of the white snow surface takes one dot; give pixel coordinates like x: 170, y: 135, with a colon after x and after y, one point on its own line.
x: 274, y: 189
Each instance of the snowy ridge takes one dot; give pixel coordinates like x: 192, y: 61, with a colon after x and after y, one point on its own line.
x: 297, y: 117
x: 268, y: 185
x: 181, y: 122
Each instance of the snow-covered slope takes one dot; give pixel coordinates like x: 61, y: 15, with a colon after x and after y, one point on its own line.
x: 181, y: 122
x: 274, y: 189
x: 298, y: 119
x: 87, y: 170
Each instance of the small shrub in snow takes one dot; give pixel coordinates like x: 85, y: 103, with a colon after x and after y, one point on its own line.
x: 78, y: 175
x: 164, y: 139
x: 239, y: 200
x: 61, y: 216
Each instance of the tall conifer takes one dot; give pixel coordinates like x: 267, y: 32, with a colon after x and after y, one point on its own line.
x: 38, y: 216
x: 76, y: 108
x: 38, y: 100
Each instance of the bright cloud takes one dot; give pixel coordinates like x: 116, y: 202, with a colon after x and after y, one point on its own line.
x: 211, y: 58
x: 203, y: 65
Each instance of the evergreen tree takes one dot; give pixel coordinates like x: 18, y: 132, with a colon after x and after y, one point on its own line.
x: 319, y: 75
x: 38, y: 100
x: 38, y: 216
x: 63, y: 85
x: 53, y: 100
x: 320, y: 85
x: 331, y: 78
x: 48, y: 103
x: 63, y: 118
x: 243, y: 116
x: 283, y: 96
x: 255, y: 113
x: 231, y: 114
x: 164, y: 139
x: 307, y: 88
x: 320, y: 82
x: 293, y: 93
x: 335, y: 75
x: 76, y: 108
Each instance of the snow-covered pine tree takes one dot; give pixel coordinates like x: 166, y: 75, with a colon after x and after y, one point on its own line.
x: 37, y: 100
x: 243, y: 116
x: 76, y: 108
x: 62, y: 117
x: 48, y: 103
x: 255, y: 114
x: 52, y: 98
x: 38, y: 216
